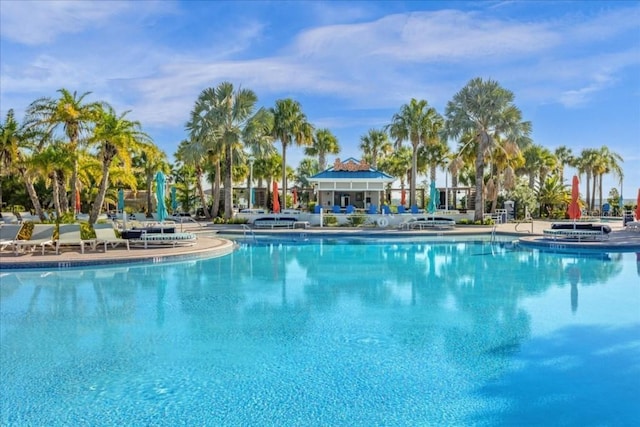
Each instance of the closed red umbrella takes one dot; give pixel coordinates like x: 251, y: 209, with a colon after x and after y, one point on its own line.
x: 276, y: 201
x: 638, y: 206
x: 295, y: 197
x: 574, y: 207
x: 403, y: 197
x: 77, y: 204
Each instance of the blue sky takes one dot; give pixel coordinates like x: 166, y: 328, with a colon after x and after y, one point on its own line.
x: 574, y: 67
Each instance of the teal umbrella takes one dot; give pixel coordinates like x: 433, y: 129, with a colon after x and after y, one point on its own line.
x: 174, y: 199
x: 162, y: 208
x: 121, y: 200
x: 434, y: 198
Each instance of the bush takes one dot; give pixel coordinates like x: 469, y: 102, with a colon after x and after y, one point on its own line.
x: 356, y: 220
x: 329, y: 220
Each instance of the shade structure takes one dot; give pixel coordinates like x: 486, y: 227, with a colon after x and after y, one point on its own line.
x: 638, y: 206
x: 434, y: 198
x: 121, y: 200
x: 574, y: 206
x: 276, y: 201
x: 174, y: 199
x: 294, y: 193
x: 162, y: 208
x: 77, y: 204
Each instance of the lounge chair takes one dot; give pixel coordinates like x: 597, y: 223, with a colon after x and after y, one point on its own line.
x: 69, y: 235
x: 9, y: 218
x: 8, y: 235
x: 401, y: 209
x: 106, y: 234
x: 42, y: 235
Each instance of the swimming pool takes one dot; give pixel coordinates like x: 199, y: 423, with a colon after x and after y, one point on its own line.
x: 328, y: 332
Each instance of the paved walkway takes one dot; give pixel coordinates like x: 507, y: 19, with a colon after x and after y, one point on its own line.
x: 209, y: 244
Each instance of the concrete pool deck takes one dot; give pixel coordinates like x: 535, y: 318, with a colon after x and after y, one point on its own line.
x: 209, y: 244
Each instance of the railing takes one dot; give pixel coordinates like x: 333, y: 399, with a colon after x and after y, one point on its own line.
x: 246, y: 229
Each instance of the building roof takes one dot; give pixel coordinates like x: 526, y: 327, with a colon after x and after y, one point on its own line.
x: 351, y: 169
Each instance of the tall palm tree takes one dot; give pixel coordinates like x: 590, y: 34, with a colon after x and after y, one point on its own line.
x: 375, y: 144
x: 584, y: 164
x: 485, y: 110
x: 9, y: 143
x: 290, y: 125
x: 324, y: 142
x: 419, y: 124
x: 609, y: 162
x: 115, y: 139
x: 221, y: 119
x: 398, y: 164
x: 565, y: 158
x: 73, y: 115
x: 194, y: 155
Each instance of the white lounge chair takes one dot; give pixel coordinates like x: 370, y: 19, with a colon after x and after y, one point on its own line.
x: 106, y: 234
x: 42, y: 235
x: 69, y: 235
x: 8, y: 235
x: 9, y: 218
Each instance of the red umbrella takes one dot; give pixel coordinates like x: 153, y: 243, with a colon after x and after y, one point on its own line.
x: 276, y: 201
x: 295, y: 197
x: 77, y: 204
x: 574, y: 207
x: 638, y: 206
x: 403, y: 197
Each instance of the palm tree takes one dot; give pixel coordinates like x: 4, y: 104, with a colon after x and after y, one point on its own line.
x: 584, y: 164
x: 9, y: 142
x: 221, y: 120
x: 398, y: 164
x: 419, y: 124
x: 608, y: 162
x: 375, y: 144
x: 149, y: 162
x: 324, y: 142
x: 115, y: 138
x: 71, y: 113
x: 192, y: 154
x: 565, y: 158
x: 485, y: 110
x: 289, y: 125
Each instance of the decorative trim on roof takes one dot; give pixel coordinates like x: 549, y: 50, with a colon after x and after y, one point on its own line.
x: 351, y: 169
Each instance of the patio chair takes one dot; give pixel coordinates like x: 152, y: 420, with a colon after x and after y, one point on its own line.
x: 8, y: 235
x: 386, y: 210
x: 373, y: 209
x: 316, y: 209
x: 350, y: 209
x: 401, y: 209
x: 336, y: 209
x: 42, y: 235
x: 415, y: 210
x: 69, y: 235
x: 9, y: 218
x: 106, y: 234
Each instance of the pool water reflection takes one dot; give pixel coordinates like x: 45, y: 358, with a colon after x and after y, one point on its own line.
x: 327, y: 332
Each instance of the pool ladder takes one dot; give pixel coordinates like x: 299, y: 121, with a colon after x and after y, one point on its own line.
x: 246, y: 229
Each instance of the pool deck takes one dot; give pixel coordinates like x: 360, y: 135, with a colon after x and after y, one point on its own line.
x: 209, y: 245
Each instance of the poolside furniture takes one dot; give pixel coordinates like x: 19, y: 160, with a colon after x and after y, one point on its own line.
x: 8, y: 235
x: 401, y: 209
x: 9, y: 218
x: 632, y: 226
x: 27, y: 216
x: 69, y: 235
x: 336, y: 209
x: 386, y: 210
x: 173, y: 239
x: 42, y: 235
x: 316, y: 209
x: 350, y: 209
x: 106, y: 234
x: 373, y: 209
x: 415, y: 210
x: 427, y: 222
x: 577, y: 231
x: 274, y: 221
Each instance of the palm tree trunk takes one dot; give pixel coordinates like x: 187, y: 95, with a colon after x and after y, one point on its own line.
x: 600, y: 188
x: 56, y: 194
x: 149, y: 204
x: 228, y: 186
x: 588, y: 193
x: 414, y: 169
x: 216, y: 190
x: 283, y: 202
x: 479, y: 202
x: 102, y: 191
x: 33, y: 195
x: 203, y: 198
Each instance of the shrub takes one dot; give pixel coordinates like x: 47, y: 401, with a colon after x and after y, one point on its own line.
x: 329, y: 220
x: 356, y: 220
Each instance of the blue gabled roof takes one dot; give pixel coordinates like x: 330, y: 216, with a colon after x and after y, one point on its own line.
x: 331, y: 173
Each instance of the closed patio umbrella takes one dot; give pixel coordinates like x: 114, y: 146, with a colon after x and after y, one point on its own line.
x: 434, y: 198
x: 77, y: 202
x: 121, y: 208
x: 174, y: 199
x: 574, y: 207
x: 638, y: 206
x: 276, y: 201
x: 162, y: 208
x: 295, y: 197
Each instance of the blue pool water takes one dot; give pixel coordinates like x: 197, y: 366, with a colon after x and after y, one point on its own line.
x: 327, y: 332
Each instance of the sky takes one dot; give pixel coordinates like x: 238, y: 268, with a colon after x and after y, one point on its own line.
x: 574, y: 67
